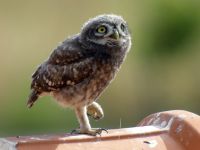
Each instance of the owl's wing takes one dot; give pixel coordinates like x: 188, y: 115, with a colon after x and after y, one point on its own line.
x: 64, y: 55
x: 63, y: 68
x: 50, y: 77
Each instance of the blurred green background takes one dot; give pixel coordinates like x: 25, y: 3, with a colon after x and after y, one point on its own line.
x: 161, y: 72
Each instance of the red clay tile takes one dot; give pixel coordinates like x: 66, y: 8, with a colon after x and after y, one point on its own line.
x: 170, y: 130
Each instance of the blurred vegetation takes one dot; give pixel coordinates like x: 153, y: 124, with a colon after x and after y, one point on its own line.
x: 161, y: 71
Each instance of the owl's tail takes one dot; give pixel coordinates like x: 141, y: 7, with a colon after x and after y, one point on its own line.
x: 32, y: 98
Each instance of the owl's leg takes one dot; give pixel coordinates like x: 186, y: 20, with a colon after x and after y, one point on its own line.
x: 95, y: 111
x: 83, y: 119
x: 85, y: 128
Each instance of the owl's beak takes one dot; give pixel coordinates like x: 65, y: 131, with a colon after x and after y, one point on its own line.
x: 115, y: 35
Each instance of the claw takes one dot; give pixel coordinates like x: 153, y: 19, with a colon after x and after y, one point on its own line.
x: 92, y: 132
x: 95, y: 116
x: 103, y: 129
x: 74, y: 132
x: 100, y: 130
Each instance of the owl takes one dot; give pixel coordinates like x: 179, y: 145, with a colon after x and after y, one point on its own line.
x: 82, y: 66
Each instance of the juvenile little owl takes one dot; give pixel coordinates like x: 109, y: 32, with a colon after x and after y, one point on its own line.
x: 82, y: 66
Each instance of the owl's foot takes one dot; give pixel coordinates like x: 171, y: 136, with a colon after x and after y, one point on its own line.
x: 95, y: 111
x: 92, y: 132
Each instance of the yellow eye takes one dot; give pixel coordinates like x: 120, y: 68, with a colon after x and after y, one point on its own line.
x: 101, y: 29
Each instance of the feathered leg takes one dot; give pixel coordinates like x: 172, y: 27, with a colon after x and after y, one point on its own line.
x: 85, y: 128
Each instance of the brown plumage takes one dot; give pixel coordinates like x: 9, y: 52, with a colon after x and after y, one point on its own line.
x: 81, y: 67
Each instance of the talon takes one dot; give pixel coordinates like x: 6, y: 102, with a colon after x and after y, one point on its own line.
x: 99, y: 131
x: 95, y: 117
x: 92, y: 132
x: 75, y: 131
x: 103, y: 129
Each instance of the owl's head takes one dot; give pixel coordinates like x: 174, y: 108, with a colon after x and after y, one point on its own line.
x: 107, y: 31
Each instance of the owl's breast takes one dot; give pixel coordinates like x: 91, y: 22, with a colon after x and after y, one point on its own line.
x: 89, y: 89
x: 99, y: 80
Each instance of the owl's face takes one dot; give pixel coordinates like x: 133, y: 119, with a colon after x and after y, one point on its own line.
x: 106, y: 30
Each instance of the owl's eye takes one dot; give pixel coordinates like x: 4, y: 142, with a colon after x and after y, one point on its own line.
x: 122, y: 27
x: 102, y: 29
